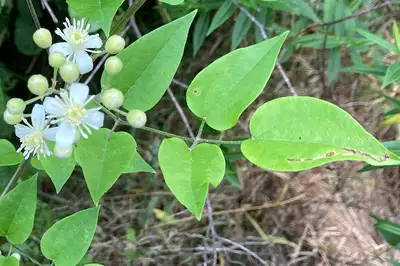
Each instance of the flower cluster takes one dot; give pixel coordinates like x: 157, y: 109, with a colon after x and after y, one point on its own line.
x: 64, y: 116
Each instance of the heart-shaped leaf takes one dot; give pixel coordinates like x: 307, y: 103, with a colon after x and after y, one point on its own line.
x: 139, y: 165
x: 8, y: 261
x: 188, y: 172
x: 8, y: 155
x: 150, y: 64
x: 67, y: 241
x: 223, y: 90
x: 104, y: 156
x: 298, y: 133
x: 17, y: 211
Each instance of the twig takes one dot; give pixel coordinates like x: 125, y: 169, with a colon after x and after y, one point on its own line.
x: 50, y: 11
x: 322, y: 68
x: 27, y: 255
x: 14, y: 178
x: 96, y: 69
x: 198, y: 137
x: 120, y: 24
x: 254, y: 255
x: 179, y: 83
x: 212, y: 228
x: 33, y: 14
x: 265, y: 36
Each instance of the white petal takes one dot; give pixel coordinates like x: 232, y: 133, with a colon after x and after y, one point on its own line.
x: 94, y: 119
x: 22, y: 130
x: 78, y: 93
x: 93, y: 41
x: 84, y: 61
x: 50, y: 133
x: 62, y: 47
x: 53, y: 106
x: 38, y: 117
x: 65, y: 135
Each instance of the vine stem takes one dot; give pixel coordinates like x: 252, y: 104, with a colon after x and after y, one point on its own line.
x: 16, y: 175
x: 196, y: 140
x: 33, y: 13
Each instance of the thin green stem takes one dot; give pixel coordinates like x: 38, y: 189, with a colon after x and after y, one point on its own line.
x: 40, y: 97
x: 120, y: 112
x: 28, y: 256
x: 120, y: 24
x: 33, y: 14
x: 15, y: 177
x: 196, y: 141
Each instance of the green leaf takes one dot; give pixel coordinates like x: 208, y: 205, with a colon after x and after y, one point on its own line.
x: 8, y: 261
x: 390, y: 231
x: 100, y: 12
x: 329, y: 10
x: 304, y: 8
x: 375, y: 39
x: 333, y: 64
x: 58, y: 169
x: 317, y: 41
x: 240, y: 29
x: 103, y: 158
x: 393, y: 262
x: 66, y: 242
x: 139, y: 165
x: 223, y: 90
x: 17, y: 211
x: 231, y: 175
x: 222, y: 15
x: 366, y: 69
x: 8, y: 155
x: 6, y: 130
x: 24, y: 29
x: 393, y: 146
x: 298, y: 133
x: 396, y: 36
x: 172, y: 2
x: 157, y: 54
x: 200, y: 31
x: 188, y: 172
x: 392, y: 74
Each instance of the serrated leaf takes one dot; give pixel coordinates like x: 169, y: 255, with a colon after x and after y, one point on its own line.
x: 222, y: 15
x: 17, y: 211
x: 103, y: 158
x: 188, y: 172
x: 8, y: 155
x: 396, y: 36
x: 150, y: 64
x: 223, y: 90
x: 377, y: 40
x: 298, y: 133
x: 172, y: 2
x: 366, y: 69
x: 58, y: 169
x: 200, y: 31
x: 66, y: 242
x: 8, y: 261
x: 240, y: 29
x: 138, y: 165
x: 100, y: 12
x: 392, y: 74
x: 333, y: 64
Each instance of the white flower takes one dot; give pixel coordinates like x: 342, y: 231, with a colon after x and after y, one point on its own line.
x: 69, y: 111
x: 33, y: 136
x: 77, y: 43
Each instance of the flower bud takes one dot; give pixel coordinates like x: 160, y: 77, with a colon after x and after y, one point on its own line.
x: 115, y: 44
x: 56, y: 59
x: 11, y: 119
x: 17, y: 256
x: 62, y: 151
x: 69, y: 72
x: 42, y: 38
x: 113, y: 65
x: 112, y: 98
x: 136, y: 118
x: 16, y: 106
x: 38, y: 84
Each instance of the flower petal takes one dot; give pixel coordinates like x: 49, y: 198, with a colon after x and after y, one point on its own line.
x: 84, y: 61
x: 62, y: 47
x: 78, y: 93
x: 94, y: 119
x: 65, y: 135
x: 38, y: 117
x: 22, y: 130
x: 50, y: 133
x: 54, y: 106
x: 93, y: 41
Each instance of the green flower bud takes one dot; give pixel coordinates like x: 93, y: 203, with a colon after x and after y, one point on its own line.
x: 62, y: 151
x: 17, y: 256
x: 56, y: 59
x: 38, y: 84
x: 11, y: 119
x: 115, y: 44
x: 69, y: 72
x: 112, y: 98
x: 136, y: 118
x: 16, y: 106
x: 113, y: 65
x: 42, y: 38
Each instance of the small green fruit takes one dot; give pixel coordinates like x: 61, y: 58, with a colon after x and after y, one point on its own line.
x: 113, y: 65
x: 16, y: 106
x: 56, y: 59
x: 11, y: 119
x: 42, y: 38
x: 38, y: 84
x: 112, y: 98
x: 69, y: 72
x: 136, y: 118
x: 115, y: 44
